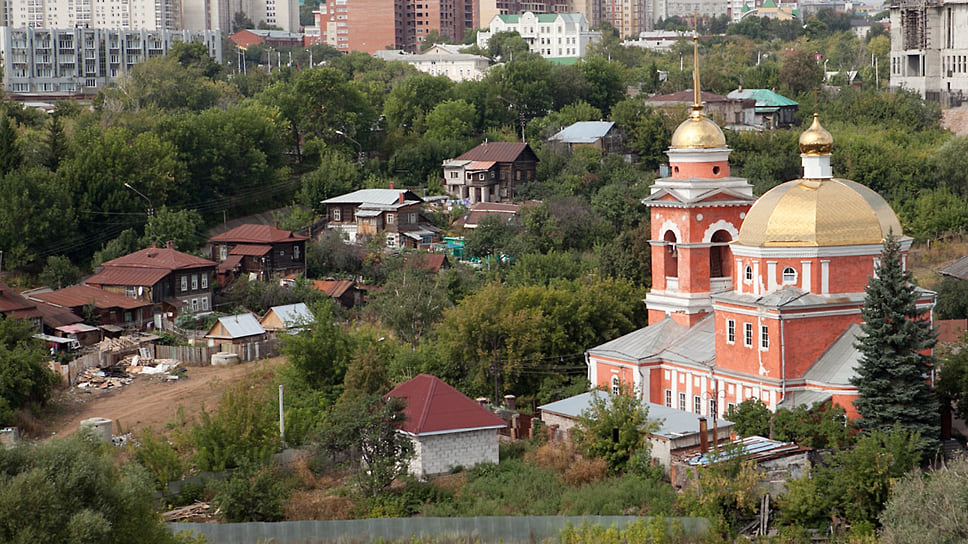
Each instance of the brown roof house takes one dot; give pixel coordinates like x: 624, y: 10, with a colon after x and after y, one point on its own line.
x: 261, y: 251
x: 345, y: 292
x: 490, y: 172
x: 448, y: 429
x: 735, y: 113
x: 105, y: 307
x: 13, y: 304
x: 171, y: 280
x: 393, y: 214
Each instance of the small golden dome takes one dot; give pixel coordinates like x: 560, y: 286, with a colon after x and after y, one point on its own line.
x: 831, y: 212
x: 698, y: 132
x: 816, y: 140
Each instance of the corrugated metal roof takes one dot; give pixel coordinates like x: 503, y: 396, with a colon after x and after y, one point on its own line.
x: 957, y: 269
x: 495, y: 151
x: 55, y: 316
x: 435, y: 407
x: 806, y: 398
x: 368, y: 213
x: 480, y: 165
x: 240, y: 326
x: 293, y: 314
x: 258, y: 234
x: 11, y: 300
x: 159, y: 257
x: 836, y: 366
x: 123, y: 275
x: 648, y: 341
x: 250, y: 249
x: 750, y: 447
x: 385, y: 197
x: 584, y: 132
x: 229, y: 263
x: 673, y: 423
x: 764, y: 98
x: 333, y: 288
x: 77, y: 296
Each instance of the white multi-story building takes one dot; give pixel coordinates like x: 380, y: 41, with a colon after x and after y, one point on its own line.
x: 73, y: 61
x: 441, y: 60
x: 551, y: 35
x: 929, y: 48
x: 148, y: 14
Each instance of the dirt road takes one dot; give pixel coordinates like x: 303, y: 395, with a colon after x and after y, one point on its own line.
x: 150, y: 401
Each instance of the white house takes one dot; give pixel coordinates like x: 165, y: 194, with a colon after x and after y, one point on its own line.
x: 448, y: 428
x: 551, y: 35
x: 441, y: 61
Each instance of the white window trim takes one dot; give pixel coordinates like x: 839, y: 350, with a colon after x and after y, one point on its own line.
x: 748, y: 334
x: 730, y: 331
x: 764, y: 337
x: 789, y: 279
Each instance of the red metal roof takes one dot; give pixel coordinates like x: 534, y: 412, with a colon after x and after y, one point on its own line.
x: 55, y: 316
x: 430, y: 262
x: 951, y: 330
x: 229, y: 263
x: 123, y: 275
x: 161, y: 258
x: 80, y: 295
x: 435, y: 407
x: 495, y: 151
x: 250, y: 249
x: 258, y: 234
x: 332, y: 288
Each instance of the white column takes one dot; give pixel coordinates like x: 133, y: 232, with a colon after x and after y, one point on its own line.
x: 771, y: 275
x: 824, y: 277
x: 756, y: 278
x: 805, y: 276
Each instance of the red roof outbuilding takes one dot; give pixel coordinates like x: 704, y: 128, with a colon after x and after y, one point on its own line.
x: 433, y: 407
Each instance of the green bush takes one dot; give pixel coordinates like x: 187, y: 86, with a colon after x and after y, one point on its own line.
x: 252, y: 494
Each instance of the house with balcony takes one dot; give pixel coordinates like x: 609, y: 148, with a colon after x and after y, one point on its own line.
x: 393, y: 214
x: 261, y: 252
x: 551, y: 35
x: 172, y: 281
x: 490, y: 172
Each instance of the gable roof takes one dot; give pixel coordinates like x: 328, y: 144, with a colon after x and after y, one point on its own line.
x: 14, y: 304
x: 673, y: 423
x: 258, y: 234
x: 237, y: 326
x: 495, y: 151
x: 583, y: 132
x: 291, y: 314
x: 433, y: 407
x: 162, y: 258
x: 431, y: 262
x: 378, y: 197
x: 836, y: 365
x: 957, y: 269
x: 333, y: 288
x: 123, y: 275
x: 765, y: 98
x: 81, y: 295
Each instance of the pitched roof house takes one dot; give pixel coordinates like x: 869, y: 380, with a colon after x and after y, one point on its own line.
x: 490, y: 172
x: 772, y: 110
x: 287, y: 317
x: 390, y: 213
x: 448, y: 429
x: 602, y: 135
x: 170, y: 279
x: 346, y: 292
x: 13, y: 304
x: 260, y: 250
x: 235, y: 329
x: 108, y: 308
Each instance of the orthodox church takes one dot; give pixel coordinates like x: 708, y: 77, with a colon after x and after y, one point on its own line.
x: 751, y: 297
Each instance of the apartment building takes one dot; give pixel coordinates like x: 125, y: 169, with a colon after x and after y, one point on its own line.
x: 560, y: 35
x: 73, y: 61
x: 929, y: 49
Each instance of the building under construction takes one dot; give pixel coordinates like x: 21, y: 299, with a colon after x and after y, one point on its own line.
x: 929, y: 48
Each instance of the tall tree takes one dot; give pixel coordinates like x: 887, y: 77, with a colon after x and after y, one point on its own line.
x: 55, y: 143
x: 11, y: 156
x: 895, y: 355
x: 614, y: 428
x: 24, y: 377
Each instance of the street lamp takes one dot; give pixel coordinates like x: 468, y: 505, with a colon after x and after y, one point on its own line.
x: 151, y: 208
x: 361, y: 156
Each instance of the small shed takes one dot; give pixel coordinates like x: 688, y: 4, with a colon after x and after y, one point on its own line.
x: 678, y: 430
x: 235, y: 329
x: 448, y: 428
x: 290, y: 317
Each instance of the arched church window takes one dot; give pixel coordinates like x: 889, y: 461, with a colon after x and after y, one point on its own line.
x: 789, y: 276
x: 719, y: 258
x: 671, y: 256
x: 615, y: 385
x: 748, y: 274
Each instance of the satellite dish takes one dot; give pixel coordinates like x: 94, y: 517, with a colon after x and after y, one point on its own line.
x: 141, y: 290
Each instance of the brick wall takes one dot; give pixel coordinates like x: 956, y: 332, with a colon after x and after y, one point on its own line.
x: 439, y: 453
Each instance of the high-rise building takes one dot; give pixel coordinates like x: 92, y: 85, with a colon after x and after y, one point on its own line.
x: 375, y: 25
x: 929, y: 49
x: 629, y: 17
x: 72, y: 61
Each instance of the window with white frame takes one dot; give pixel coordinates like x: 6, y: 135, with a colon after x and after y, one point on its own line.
x: 130, y: 291
x: 194, y: 282
x: 697, y: 404
x: 295, y: 253
x: 748, y: 334
x: 764, y: 337
x: 668, y: 398
x: 730, y: 331
x: 682, y: 401
x: 748, y: 274
x: 205, y: 280
x: 223, y: 253
x: 391, y: 218
x: 194, y: 304
x: 184, y: 283
x: 204, y: 304
x: 337, y: 214
x: 713, y: 407
x: 615, y: 385
x: 789, y: 275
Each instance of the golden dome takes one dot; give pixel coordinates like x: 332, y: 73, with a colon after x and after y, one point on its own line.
x: 698, y: 132
x: 830, y: 212
x: 816, y: 140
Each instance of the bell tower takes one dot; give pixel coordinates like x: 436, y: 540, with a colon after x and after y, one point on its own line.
x: 695, y: 212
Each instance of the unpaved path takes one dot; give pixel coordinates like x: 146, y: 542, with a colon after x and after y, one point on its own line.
x: 149, y: 401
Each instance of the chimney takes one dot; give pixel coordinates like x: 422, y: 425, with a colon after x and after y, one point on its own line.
x: 154, y: 245
x: 391, y: 184
x: 482, y: 401
x: 277, y: 224
x: 170, y: 244
x: 703, y: 436
x: 401, y: 197
x: 509, y: 401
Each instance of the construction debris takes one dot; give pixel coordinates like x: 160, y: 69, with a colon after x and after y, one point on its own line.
x: 122, y: 374
x: 185, y: 513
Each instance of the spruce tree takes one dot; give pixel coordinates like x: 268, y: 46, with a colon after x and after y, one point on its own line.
x: 892, y: 377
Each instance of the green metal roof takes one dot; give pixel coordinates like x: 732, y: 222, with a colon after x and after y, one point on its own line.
x: 764, y: 98
x: 564, y: 61
x: 516, y: 18
x: 746, y: 8
x: 769, y: 4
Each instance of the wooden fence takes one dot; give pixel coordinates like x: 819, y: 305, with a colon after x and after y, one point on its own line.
x: 202, y: 355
